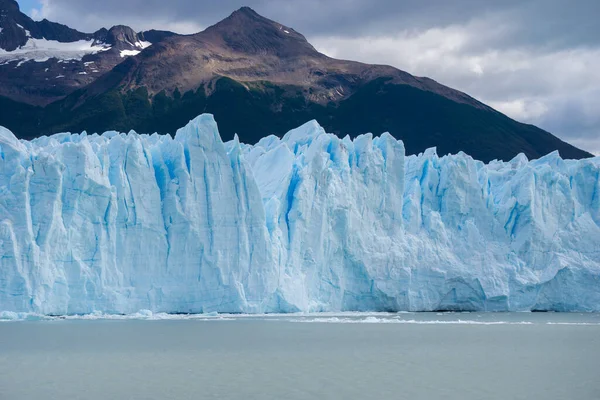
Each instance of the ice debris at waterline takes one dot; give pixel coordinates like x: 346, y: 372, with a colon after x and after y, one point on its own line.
x: 121, y: 222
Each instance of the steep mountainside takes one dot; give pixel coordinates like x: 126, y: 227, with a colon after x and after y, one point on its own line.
x: 259, y: 77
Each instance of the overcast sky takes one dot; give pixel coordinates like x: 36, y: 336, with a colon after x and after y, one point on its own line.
x: 537, y: 61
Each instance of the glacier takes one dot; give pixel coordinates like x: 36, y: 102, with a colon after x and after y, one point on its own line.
x: 117, y: 223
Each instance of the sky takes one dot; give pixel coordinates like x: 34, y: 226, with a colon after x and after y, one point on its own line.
x: 538, y: 61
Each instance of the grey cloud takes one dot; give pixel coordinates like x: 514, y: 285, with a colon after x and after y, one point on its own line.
x: 543, y: 22
x: 576, y: 114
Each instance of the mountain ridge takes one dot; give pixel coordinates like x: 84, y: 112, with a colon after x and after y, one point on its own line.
x: 260, y: 77
x: 43, y: 61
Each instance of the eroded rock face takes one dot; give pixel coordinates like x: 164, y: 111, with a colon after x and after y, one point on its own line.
x: 310, y: 222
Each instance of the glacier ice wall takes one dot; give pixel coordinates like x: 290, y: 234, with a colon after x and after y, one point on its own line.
x: 310, y: 222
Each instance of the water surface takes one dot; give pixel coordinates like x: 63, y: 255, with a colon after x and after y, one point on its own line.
x: 327, y: 356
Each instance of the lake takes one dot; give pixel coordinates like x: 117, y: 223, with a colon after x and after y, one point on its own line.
x: 316, y: 356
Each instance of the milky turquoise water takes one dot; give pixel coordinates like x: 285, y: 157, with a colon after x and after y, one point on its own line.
x: 346, y: 356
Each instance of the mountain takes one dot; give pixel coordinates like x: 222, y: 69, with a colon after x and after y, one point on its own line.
x: 310, y: 222
x: 260, y: 77
x: 42, y: 61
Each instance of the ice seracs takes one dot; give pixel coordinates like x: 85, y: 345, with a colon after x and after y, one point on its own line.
x: 118, y: 223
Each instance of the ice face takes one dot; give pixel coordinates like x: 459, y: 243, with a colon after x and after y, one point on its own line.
x: 117, y: 223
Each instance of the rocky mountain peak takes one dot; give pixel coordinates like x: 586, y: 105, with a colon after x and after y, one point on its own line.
x: 248, y: 32
x: 8, y: 6
x: 13, y: 25
x: 121, y: 34
x: 257, y: 76
x: 17, y: 28
x: 100, y: 36
x: 248, y: 15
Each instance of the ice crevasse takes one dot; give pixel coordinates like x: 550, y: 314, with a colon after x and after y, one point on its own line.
x: 309, y: 222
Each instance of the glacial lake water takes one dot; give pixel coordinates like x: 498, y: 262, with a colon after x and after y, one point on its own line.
x: 325, y: 356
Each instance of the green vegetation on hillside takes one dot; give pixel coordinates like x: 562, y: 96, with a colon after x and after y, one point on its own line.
x: 421, y: 119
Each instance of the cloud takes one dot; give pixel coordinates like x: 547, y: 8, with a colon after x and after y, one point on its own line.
x: 555, y: 88
x: 565, y: 23
x: 534, y: 60
x: 521, y: 109
x: 89, y: 16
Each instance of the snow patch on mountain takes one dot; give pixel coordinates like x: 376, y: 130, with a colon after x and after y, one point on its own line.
x: 139, y: 44
x: 41, y: 50
x: 127, y: 53
x: 142, y: 44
